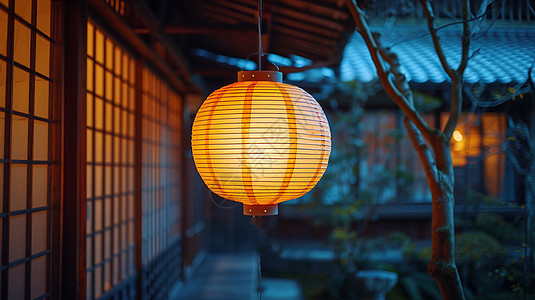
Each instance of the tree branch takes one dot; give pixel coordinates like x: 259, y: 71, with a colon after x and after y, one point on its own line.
x: 384, y: 73
x: 415, y: 37
x: 423, y: 152
x: 457, y: 75
x: 430, y: 17
x: 465, y: 39
x: 392, y: 59
x: 455, y: 107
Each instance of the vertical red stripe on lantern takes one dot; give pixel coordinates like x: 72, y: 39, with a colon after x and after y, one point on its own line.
x: 207, y: 143
x: 245, y: 130
x: 292, y: 152
x: 319, y: 168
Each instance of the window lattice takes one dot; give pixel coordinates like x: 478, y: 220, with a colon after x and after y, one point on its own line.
x: 118, y: 5
x: 110, y: 163
x: 161, y: 146
x: 26, y: 47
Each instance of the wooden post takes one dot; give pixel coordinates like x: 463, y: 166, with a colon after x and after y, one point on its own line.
x: 73, y: 218
x: 185, y: 188
x: 56, y: 169
x: 138, y: 170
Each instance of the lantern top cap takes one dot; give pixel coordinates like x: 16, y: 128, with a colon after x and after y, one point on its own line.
x: 274, y: 76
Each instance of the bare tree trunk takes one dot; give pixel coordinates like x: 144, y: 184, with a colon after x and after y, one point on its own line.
x: 438, y: 166
x: 442, y: 265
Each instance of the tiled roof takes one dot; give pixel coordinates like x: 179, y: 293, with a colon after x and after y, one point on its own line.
x: 504, y: 57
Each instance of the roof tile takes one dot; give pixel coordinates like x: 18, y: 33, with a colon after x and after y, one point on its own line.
x: 504, y: 57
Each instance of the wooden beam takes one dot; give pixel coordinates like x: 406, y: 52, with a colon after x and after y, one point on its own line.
x: 320, y: 41
x: 223, y: 11
x: 251, y: 11
x: 302, y: 16
x: 208, y: 29
x: 309, y: 6
x: 124, y: 30
x: 73, y: 227
x: 202, y: 30
x: 214, y: 16
x: 144, y: 15
x: 309, y: 27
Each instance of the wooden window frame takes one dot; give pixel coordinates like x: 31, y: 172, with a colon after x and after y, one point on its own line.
x: 71, y: 275
x: 30, y: 161
x: 73, y: 215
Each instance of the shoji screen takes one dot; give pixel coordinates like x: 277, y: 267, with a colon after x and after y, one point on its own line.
x: 161, y: 150
x: 26, y: 45
x: 118, y: 5
x: 110, y: 165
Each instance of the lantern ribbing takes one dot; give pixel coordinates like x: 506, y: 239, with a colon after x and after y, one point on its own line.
x: 260, y: 142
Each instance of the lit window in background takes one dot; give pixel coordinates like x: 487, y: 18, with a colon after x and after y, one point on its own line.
x: 25, y: 146
x: 384, y: 151
x: 477, y: 143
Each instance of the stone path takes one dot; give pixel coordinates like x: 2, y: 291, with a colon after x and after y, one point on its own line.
x: 223, y: 277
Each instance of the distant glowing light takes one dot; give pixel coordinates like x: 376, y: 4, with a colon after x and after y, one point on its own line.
x: 457, y: 136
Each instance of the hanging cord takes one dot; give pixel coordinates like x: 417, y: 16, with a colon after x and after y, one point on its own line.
x: 260, y: 35
x: 263, y: 53
x: 256, y: 221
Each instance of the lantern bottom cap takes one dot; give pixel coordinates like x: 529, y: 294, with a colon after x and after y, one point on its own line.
x: 261, y: 210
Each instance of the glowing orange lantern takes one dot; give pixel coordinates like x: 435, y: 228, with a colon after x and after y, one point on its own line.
x: 260, y: 142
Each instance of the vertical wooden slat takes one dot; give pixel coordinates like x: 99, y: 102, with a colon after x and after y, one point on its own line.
x: 7, y: 150
x: 104, y: 178
x: 93, y: 176
x: 73, y: 265
x: 55, y: 110
x: 138, y: 177
x: 185, y: 154
x: 29, y: 168
x: 114, y: 164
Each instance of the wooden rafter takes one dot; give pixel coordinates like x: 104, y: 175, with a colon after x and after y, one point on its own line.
x: 307, y: 27
x: 315, y: 8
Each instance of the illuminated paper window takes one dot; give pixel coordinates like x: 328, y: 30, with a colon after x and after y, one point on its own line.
x: 110, y: 163
x: 26, y: 44
x: 161, y: 147
x: 118, y: 5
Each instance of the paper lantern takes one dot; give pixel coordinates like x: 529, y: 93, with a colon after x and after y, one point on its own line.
x: 260, y: 142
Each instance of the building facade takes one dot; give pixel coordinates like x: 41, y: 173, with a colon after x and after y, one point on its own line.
x: 94, y: 157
